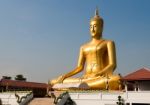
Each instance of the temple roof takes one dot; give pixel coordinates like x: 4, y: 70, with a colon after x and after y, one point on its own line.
x: 5, y: 82
x: 141, y: 74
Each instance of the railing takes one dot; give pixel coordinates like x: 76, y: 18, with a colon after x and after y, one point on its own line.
x: 16, y: 98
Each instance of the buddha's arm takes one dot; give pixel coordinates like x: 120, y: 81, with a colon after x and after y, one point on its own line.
x: 80, y: 66
x: 108, y: 70
x: 75, y: 71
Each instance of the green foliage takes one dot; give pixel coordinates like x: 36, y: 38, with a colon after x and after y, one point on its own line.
x: 20, y: 77
x: 6, y: 77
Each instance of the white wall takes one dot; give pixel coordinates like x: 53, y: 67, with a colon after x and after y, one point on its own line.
x: 110, y: 98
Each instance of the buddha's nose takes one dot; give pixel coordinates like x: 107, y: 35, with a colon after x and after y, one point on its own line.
x: 93, y: 29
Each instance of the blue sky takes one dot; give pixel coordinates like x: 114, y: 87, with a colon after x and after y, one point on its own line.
x: 41, y: 38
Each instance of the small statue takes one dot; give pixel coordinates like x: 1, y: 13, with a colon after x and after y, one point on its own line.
x: 99, y: 57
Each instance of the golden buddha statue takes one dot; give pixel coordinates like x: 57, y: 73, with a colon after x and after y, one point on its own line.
x: 99, y: 57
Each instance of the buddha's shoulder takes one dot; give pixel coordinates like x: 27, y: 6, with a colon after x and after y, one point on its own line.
x: 108, y: 41
x: 103, y: 42
x: 85, y: 45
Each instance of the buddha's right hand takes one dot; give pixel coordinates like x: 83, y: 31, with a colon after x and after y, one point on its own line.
x: 61, y: 79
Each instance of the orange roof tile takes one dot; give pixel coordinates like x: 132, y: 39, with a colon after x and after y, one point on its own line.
x: 141, y: 74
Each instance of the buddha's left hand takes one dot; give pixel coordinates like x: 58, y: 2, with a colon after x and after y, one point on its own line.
x: 60, y: 79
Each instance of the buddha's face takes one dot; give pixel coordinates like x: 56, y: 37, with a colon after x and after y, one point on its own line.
x: 95, y: 29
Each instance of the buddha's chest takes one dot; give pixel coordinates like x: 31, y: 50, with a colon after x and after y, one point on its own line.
x: 94, y: 51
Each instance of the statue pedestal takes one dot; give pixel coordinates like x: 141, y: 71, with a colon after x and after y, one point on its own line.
x: 94, y: 98
x: 110, y: 97
x: 104, y: 97
x: 90, y: 98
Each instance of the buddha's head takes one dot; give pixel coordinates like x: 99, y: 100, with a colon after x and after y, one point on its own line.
x: 96, y: 25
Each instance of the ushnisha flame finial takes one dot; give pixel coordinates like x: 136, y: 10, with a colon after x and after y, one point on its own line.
x: 97, y: 17
x: 96, y: 12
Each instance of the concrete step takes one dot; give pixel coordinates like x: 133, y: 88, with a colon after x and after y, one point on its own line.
x: 41, y: 101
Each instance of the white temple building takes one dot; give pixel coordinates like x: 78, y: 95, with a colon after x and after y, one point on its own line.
x: 138, y: 80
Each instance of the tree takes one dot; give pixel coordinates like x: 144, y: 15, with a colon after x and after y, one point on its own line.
x: 20, y: 77
x: 6, y: 77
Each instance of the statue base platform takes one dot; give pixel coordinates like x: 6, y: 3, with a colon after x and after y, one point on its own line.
x: 95, y: 98
x: 87, y: 97
x: 104, y: 97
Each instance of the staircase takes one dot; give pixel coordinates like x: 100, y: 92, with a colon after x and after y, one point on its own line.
x: 41, y: 101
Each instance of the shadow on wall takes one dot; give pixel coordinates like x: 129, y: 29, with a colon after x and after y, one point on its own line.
x: 0, y: 102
